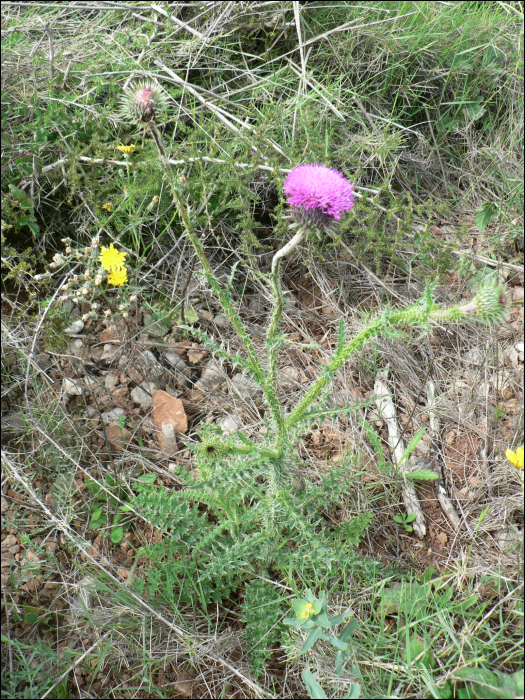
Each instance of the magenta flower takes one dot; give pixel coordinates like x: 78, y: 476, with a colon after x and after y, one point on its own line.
x: 318, y: 194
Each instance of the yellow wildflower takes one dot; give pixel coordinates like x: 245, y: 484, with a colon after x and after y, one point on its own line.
x: 306, y: 612
x: 127, y: 149
x: 108, y: 206
x: 517, y: 459
x: 111, y: 259
x: 118, y: 277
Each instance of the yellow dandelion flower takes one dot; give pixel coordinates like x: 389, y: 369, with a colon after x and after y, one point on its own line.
x: 118, y: 277
x: 111, y: 259
x: 108, y: 206
x: 517, y: 459
x: 127, y: 149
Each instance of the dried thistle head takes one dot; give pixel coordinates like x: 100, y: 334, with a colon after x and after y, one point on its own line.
x: 142, y: 101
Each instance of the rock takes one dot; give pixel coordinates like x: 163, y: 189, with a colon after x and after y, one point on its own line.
x: 245, y: 387
x: 13, y: 423
x: 110, y: 353
x: 167, y: 439
x: 221, y: 321
x: 143, y: 394
x: 205, y: 315
x: 517, y: 294
x: 152, y: 328
x: 117, y: 436
x: 111, y: 381
x: 71, y: 387
x: 474, y: 356
x: 229, y: 424
x: 195, y: 355
x: 75, y: 328
x: 113, y: 415
x: 9, y: 541
x: 182, y: 369
x: 107, y: 335
x: 91, y: 411
x: 256, y: 304
x: 76, y: 347
x: 212, y: 378
x: 169, y: 410
x: 44, y: 362
x: 289, y: 377
x: 150, y: 366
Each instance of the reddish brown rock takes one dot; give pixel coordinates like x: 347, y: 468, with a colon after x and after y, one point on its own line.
x: 168, y: 410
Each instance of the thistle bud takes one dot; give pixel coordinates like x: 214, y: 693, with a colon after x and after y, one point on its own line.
x: 142, y: 101
x: 490, y: 304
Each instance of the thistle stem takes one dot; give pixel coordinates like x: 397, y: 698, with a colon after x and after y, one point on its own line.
x: 270, y: 385
x: 233, y: 317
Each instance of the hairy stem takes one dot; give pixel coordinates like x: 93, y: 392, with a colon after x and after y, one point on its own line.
x: 270, y: 387
x: 418, y: 314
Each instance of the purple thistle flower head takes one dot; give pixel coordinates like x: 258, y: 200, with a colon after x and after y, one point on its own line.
x: 318, y: 195
x: 142, y: 101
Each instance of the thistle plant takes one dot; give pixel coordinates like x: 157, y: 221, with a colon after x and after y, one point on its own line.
x: 258, y: 520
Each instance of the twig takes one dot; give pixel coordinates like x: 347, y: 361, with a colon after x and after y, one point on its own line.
x: 443, y: 498
x: 387, y: 412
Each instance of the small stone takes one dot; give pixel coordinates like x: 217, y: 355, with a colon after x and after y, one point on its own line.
x: 289, y: 377
x: 195, y: 355
x: 91, y: 411
x: 113, y: 415
x: 75, y: 328
x: 517, y: 294
x: 442, y: 537
x: 107, y: 335
x: 143, y: 394
x: 71, y: 387
x: 167, y: 439
x: 5, y: 505
x: 221, y: 321
x: 229, y: 424
x: 451, y: 437
x: 76, y: 347
x: 110, y: 381
x: 9, y: 541
x: 212, y: 378
x: 256, y: 305
x: 244, y: 387
x: 118, y: 436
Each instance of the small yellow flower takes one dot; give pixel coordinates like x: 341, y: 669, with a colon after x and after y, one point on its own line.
x: 127, y: 149
x: 517, y: 459
x: 306, y: 612
x: 111, y: 259
x: 108, y: 206
x: 118, y: 277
